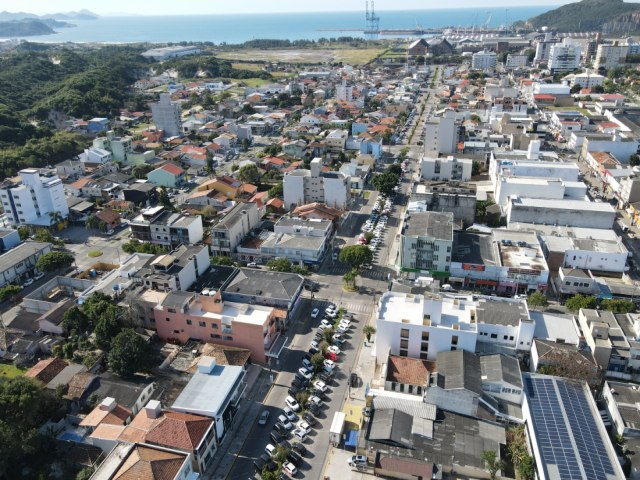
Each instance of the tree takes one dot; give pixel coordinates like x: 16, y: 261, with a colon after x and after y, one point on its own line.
x: 327, y: 336
x: 164, y: 199
x: 9, y: 291
x: 526, y: 468
x: 303, y: 396
x: 385, y: 183
x: 75, y: 319
x: 492, y: 463
x: 355, y: 256
x: 53, y: 261
x: 280, y: 454
x: 226, y: 261
x: 249, y: 174
x: 140, y: 171
x: 44, y: 235
x: 537, y: 299
x: 107, y: 327
x: 404, y: 151
x: 576, y: 88
x: 395, y: 168
x: 349, y: 278
x: 128, y: 353
x: 276, y: 191
x: 245, y: 144
x: 634, y: 160
x: 24, y: 232
x: 55, y: 217
x: 368, y: 236
x: 475, y: 168
x: 324, y: 345
x: 618, y: 305
x: 317, y: 359
x: 85, y: 473
x: 94, y: 223
x: 577, y: 302
x: 279, y: 264
x: 368, y: 330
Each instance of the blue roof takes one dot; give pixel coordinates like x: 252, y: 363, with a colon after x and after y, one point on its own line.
x: 351, y: 439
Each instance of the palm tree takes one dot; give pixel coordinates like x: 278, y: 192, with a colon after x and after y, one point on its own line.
x: 492, y: 463
x: 55, y: 217
x: 368, y: 330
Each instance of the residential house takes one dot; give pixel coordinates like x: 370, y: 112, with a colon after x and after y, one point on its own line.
x: 169, y: 175
x: 110, y: 218
x: 314, y: 185
x: 162, y: 227
x: 19, y: 263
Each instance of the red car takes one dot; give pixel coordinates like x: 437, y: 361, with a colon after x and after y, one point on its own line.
x: 331, y: 356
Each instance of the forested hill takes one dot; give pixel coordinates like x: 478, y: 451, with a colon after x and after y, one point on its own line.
x: 589, y: 16
x: 24, y: 28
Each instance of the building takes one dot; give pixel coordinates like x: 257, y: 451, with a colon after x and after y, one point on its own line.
x: 426, y: 241
x: 162, y: 227
x: 446, y: 169
x: 185, y: 316
x: 506, y: 261
x: 177, y: 270
x: 570, y: 213
x: 515, y: 61
x: 610, y: 56
x: 484, y: 60
x: 607, y: 341
x: 441, y: 135
x: 169, y: 175
x: 165, y: 53
x: 419, y: 47
x: 585, y: 79
x: 564, y: 58
x: 559, y: 411
x: 336, y: 141
x: 535, y: 187
x: 9, y: 238
x: 166, y: 116
x: 308, y: 186
x: 19, y: 263
x: 38, y: 199
x: 301, y: 241
x: 543, y: 49
x: 264, y: 287
x: 231, y: 229
x: 213, y: 391
x: 344, y: 92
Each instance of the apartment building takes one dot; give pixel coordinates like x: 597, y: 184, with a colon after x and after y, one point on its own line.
x: 441, y: 135
x: 166, y: 116
x: 564, y: 58
x: 610, y: 56
x: 426, y: 241
x: 177, y: 270
x: 37, y: 199
x: 229, y: 232
x: 484, y: 60
x: 307, y: 186
x: 20, y: 262
x: 156, y: 225
x: 446, y: 169
x: 336, y: 141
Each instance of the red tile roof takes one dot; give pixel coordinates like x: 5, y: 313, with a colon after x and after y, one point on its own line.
x: 173, y: 169
x: 410, y: 371
x: 179, y: 430
x: 150, y: 464
x: 46, y: 370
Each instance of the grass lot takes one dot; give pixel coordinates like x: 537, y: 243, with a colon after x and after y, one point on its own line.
x: 8, y: 371
x: 355, y: 56
x: 94, y: 253
x: 583, y: 111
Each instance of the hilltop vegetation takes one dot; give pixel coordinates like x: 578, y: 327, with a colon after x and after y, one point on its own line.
x: 587, y: 15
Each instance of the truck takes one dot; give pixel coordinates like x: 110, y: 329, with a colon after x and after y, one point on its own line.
x: 337, y: 428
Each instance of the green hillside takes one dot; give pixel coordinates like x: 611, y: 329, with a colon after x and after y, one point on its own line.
x: 587, y: 15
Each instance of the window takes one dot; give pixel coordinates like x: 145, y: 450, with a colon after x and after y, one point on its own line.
x: 404, y: 333
x: 168, y: 319
x: 202, y: 324
x: 230, y: 339
x: 214, y: 326
x: 511, y: 337
x: 449, y: 249
x: 506, y: 337
x: 171, y: 310
x: 403, y: 353
x: 215, y: 335
x: 189, y: 322
x: 454, y: 340
x: 425, y: 336
x: 424, y: 356
x: 404, y: 343
x: 494, y: 335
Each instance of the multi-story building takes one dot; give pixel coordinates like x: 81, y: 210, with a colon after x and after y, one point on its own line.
x: 484, y: 60
x: 301, y: 241
x: 441, y: 135
x: 314, y: 185
x: 38, y: 199
x: 573, y: 213
x: 344, y: 92
x: 459, y: 199
x: 156, y: 225
x: 543, y: 49
x: 516, y: 61
x: 228, y: 233
x: 20, y: 262
x: 605, y: 338
x: 177, y: 270
x: 564, y: 58
x: 166, y: 116
x: 446, y: 169
x: 585, y: 80
x: 610, y: 56
x: 336, y: 141
x: 421, y: 326
x: 426, y: 241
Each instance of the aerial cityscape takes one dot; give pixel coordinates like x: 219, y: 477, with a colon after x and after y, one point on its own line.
x: 351, y: 241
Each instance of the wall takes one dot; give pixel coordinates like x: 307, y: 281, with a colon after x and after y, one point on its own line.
x: 572, y: 218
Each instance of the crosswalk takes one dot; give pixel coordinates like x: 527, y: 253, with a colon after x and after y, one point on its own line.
x: 376, y: 273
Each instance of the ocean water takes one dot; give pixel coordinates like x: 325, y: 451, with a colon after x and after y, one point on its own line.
x: 292, y: 26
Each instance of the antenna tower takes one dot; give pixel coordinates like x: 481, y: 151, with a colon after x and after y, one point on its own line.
x: 373, y: 21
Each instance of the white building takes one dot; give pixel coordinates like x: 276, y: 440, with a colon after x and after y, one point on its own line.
x: 231, y: 229
x: 610, y: 56
x: 426, y: 241
x: 36, y: 200
x: 162, y: 227
x: 166, y: 116
x: 421, y: 326
x: 446, y: 169
x: 177, y: 270
x: 516, y: 61
x: 484, y: 60
x: 441, y: 135
x: 571, y: 213
x: 564, y: 58
x: 543, y: 49
x: 344, y: 92
x: 585, y: 80
x: 336, y: 141
x: 536, y: 187
x: 308, y: 186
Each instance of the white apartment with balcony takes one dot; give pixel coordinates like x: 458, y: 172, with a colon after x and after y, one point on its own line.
x: 166, y: 116
x: 38, y: 199
x: 446, y: 169
x: 307, y: 186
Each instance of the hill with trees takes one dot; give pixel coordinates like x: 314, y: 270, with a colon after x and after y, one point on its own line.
x: 588, y: 16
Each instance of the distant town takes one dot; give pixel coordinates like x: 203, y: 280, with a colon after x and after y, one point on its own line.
x: 416, y: 260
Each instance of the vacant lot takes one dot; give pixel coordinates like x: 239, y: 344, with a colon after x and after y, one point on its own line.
x: 355, y: 56
x: 8, y: 371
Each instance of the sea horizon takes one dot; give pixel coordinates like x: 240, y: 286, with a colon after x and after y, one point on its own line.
x: 239, y: 28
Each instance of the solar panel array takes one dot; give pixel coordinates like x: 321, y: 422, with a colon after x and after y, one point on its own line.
x: 562, y: 417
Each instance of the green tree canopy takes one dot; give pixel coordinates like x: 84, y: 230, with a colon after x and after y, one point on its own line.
x: 385, y: 183
x: 9, y: 291
x: 537, y: 299
x: 577, y: 302
x: 616, y: 305
x: 280, y: 265
x: 395, y: 168
x: 355, y: 255
x: 249, y: 173
x: 128, y: 353
x: 75, y: 319
x: 53, y: 261
x: 107, y: 327
x: 146, y: 247
x: 227, y: 261
x: 276, y: 191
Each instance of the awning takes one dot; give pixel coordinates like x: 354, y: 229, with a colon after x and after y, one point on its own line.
x: 351, y: 438
x: 456, y: 279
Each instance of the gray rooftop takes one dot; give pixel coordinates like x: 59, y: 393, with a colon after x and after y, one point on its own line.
x: 430, y: 224
x: 459, y: 369
x: 496, y: 312
x: 415, y: 409
x: 239, y: 211
x: 21, y: 253
x: 473, y: 248
x: 501, y: 367
x: 276, y: 285
x: 177, y: 299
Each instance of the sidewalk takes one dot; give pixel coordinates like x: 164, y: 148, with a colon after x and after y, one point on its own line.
x: 258, y: 386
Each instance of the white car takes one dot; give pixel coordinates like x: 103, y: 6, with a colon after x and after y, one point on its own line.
x: 320, y: 385
x: 290, y: 415
x: 302, y: 425
x: 333, y: 349
x: 314, y: 345
x: 315, y: 312
x: 342, y: 329
x: 292, y: 404
x: 27, y: 282
x: 300, y: 435
x: 331, y: 314
x: 316, y: 401
x: 285, y: 422
x: 38, y: 276
x: 308, y: 374
x: 345, y: 322
x: 270, y: 450
x: 358, y: 460
x: 330, y: 364
x: 326, y: 323
x: 290, y: 468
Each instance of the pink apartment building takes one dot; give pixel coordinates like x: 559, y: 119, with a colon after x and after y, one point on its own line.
x: 185, y: 315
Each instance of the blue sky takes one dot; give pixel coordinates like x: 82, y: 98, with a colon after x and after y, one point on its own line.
x: 168, y: 7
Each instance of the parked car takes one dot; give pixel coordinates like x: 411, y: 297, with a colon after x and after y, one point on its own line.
x: 331, y: 356
x: 278, y: 427
x: 300, y: 435
x: 285, y: 422
x: 270, y: 450
x: 315, y: 312
x: 252, y: 265
x: 326, y: 323
x: 319, y: 385
x: 358, y: 460
x: 310, y: 419
x: 27, y: 282
x: 276, y: 437
x: 308, y: 374
x: 292, y: 417
x: 299, y: 448
x: 290, y: 468
x: 264, y: 417
x: 330, y: 364
x: 334, y: 349
x: 302, y: 425
x: 292, y: 404
x: 38, y: 276
x: 295, y: 458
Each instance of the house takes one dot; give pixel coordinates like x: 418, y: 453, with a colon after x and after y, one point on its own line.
x: 408, y: 375
x: 46, y: 370
x: 318, y: 211
x: 168, y: 175
x: 230, y: 187
x: 156, y: 225
x: 97, y: 125
x: 19, y: 263
x: 109, y: 217
x: 141, y: 193
x: 264, y: 287
x: 9, y: 238
x: 176, y: 270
